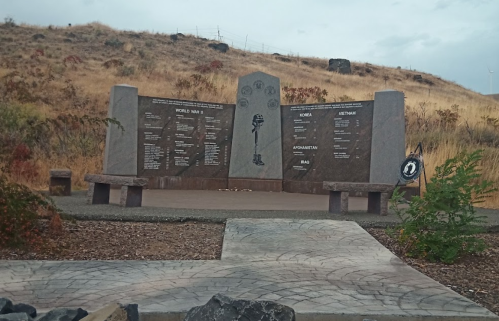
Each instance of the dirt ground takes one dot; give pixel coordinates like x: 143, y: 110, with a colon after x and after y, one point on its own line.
x: 475, y: 277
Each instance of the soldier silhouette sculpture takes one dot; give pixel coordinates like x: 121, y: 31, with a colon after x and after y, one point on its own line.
x: 257, y: 124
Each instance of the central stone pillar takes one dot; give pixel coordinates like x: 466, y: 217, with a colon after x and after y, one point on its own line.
x: 256, y: 157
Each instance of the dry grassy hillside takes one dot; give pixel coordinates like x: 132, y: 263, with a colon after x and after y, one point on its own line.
x: 48, y: 71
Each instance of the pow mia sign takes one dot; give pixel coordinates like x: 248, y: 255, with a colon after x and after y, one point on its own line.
x: 410, y: 169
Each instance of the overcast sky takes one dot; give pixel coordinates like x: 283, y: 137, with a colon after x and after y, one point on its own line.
x: 455, y: 39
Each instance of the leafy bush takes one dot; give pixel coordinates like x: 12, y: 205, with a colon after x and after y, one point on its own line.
x: 19, y: 214
x: 115, y: 43
x: 448, y: 117
x: 9, y: 22
x: 213, y: 66
x: 16, y: 129
x: 300, y: 95
x: 147, y: 65
x: 126, y: 71
x: 441, y: 226
x: 196, y: 83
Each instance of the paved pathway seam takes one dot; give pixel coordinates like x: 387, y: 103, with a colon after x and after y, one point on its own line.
x: 318, y: 267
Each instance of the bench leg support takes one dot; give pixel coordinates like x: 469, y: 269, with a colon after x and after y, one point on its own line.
x: 98, y: 193
x: 60, y: 186
x: 131, y: 196
x: 338, y: 202
x: 377, y: 203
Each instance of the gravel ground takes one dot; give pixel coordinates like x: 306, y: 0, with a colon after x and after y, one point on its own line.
x: 108, y: 240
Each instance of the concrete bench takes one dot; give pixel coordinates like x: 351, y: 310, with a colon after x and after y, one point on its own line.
x: 99, y: 188
x: 60, y: 182
x: 377, y: 199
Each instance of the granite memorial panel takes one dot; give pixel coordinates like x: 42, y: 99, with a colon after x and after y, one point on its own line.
x: 326, y: 142
x: 388, y: 139
x: 120, y: 156
x: 178, y: 138
x: 256, y: 147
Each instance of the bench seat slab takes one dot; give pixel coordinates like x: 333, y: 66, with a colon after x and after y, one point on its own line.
x: 358, y: 187
x: 116, y: 180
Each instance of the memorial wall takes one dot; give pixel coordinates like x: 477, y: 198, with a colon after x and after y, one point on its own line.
x: 183, y: 144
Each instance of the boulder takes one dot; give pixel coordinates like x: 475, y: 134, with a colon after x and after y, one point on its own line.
x: 223, y: 308
x: 174, y: 37
x: 26, y: 308
x: 222, y: 47
x: 64, y: 314
x: 115, y: 312
x: 21, y: 316
x: 282, y: 58
x: 5, y: 306
x: 339, y: 65
x: 418, y: 78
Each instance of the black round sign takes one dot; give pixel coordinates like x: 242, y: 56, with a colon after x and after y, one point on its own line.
x: 410, y: 169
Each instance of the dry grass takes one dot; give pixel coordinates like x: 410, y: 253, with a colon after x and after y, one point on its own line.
x: 159, y: 62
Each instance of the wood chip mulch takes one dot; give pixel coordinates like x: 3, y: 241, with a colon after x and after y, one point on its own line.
x: 103, y: 240
x: 475, y: 277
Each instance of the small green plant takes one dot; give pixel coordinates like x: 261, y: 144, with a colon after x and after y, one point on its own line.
x: 126, y: 71
x: 115, y: 43
x: 441, y: 225
x: 147, y: 65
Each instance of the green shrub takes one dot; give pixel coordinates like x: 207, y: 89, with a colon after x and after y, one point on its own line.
x: 19, y: 208
x: 147, y: 65
x: 126, y: 71
x: 9, y: 22
x: 441, y: 225
x: 115, y: 43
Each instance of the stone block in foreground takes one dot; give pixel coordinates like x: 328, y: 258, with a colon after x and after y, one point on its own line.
x: 224, y: 308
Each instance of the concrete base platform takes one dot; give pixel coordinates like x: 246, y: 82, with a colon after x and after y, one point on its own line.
x: 325, y: 270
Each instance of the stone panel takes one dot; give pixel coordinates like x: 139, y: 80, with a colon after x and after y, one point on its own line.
x: 256, y: 146
x: 184, y: 138
x: 120, y: 156
x: 388, y: 137
x: 327, y: 142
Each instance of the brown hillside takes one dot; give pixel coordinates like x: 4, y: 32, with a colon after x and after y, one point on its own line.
x: 46, y: 71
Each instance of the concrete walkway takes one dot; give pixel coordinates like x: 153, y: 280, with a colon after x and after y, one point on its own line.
x: 325, y: 270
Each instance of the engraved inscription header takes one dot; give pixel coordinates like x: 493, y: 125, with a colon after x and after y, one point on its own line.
x: 184, y: 138
x: 327, y: 142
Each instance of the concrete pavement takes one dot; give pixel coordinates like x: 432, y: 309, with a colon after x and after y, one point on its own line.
x: 325, y: 270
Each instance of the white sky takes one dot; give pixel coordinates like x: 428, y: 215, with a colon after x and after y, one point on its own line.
x: 455, y: 39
